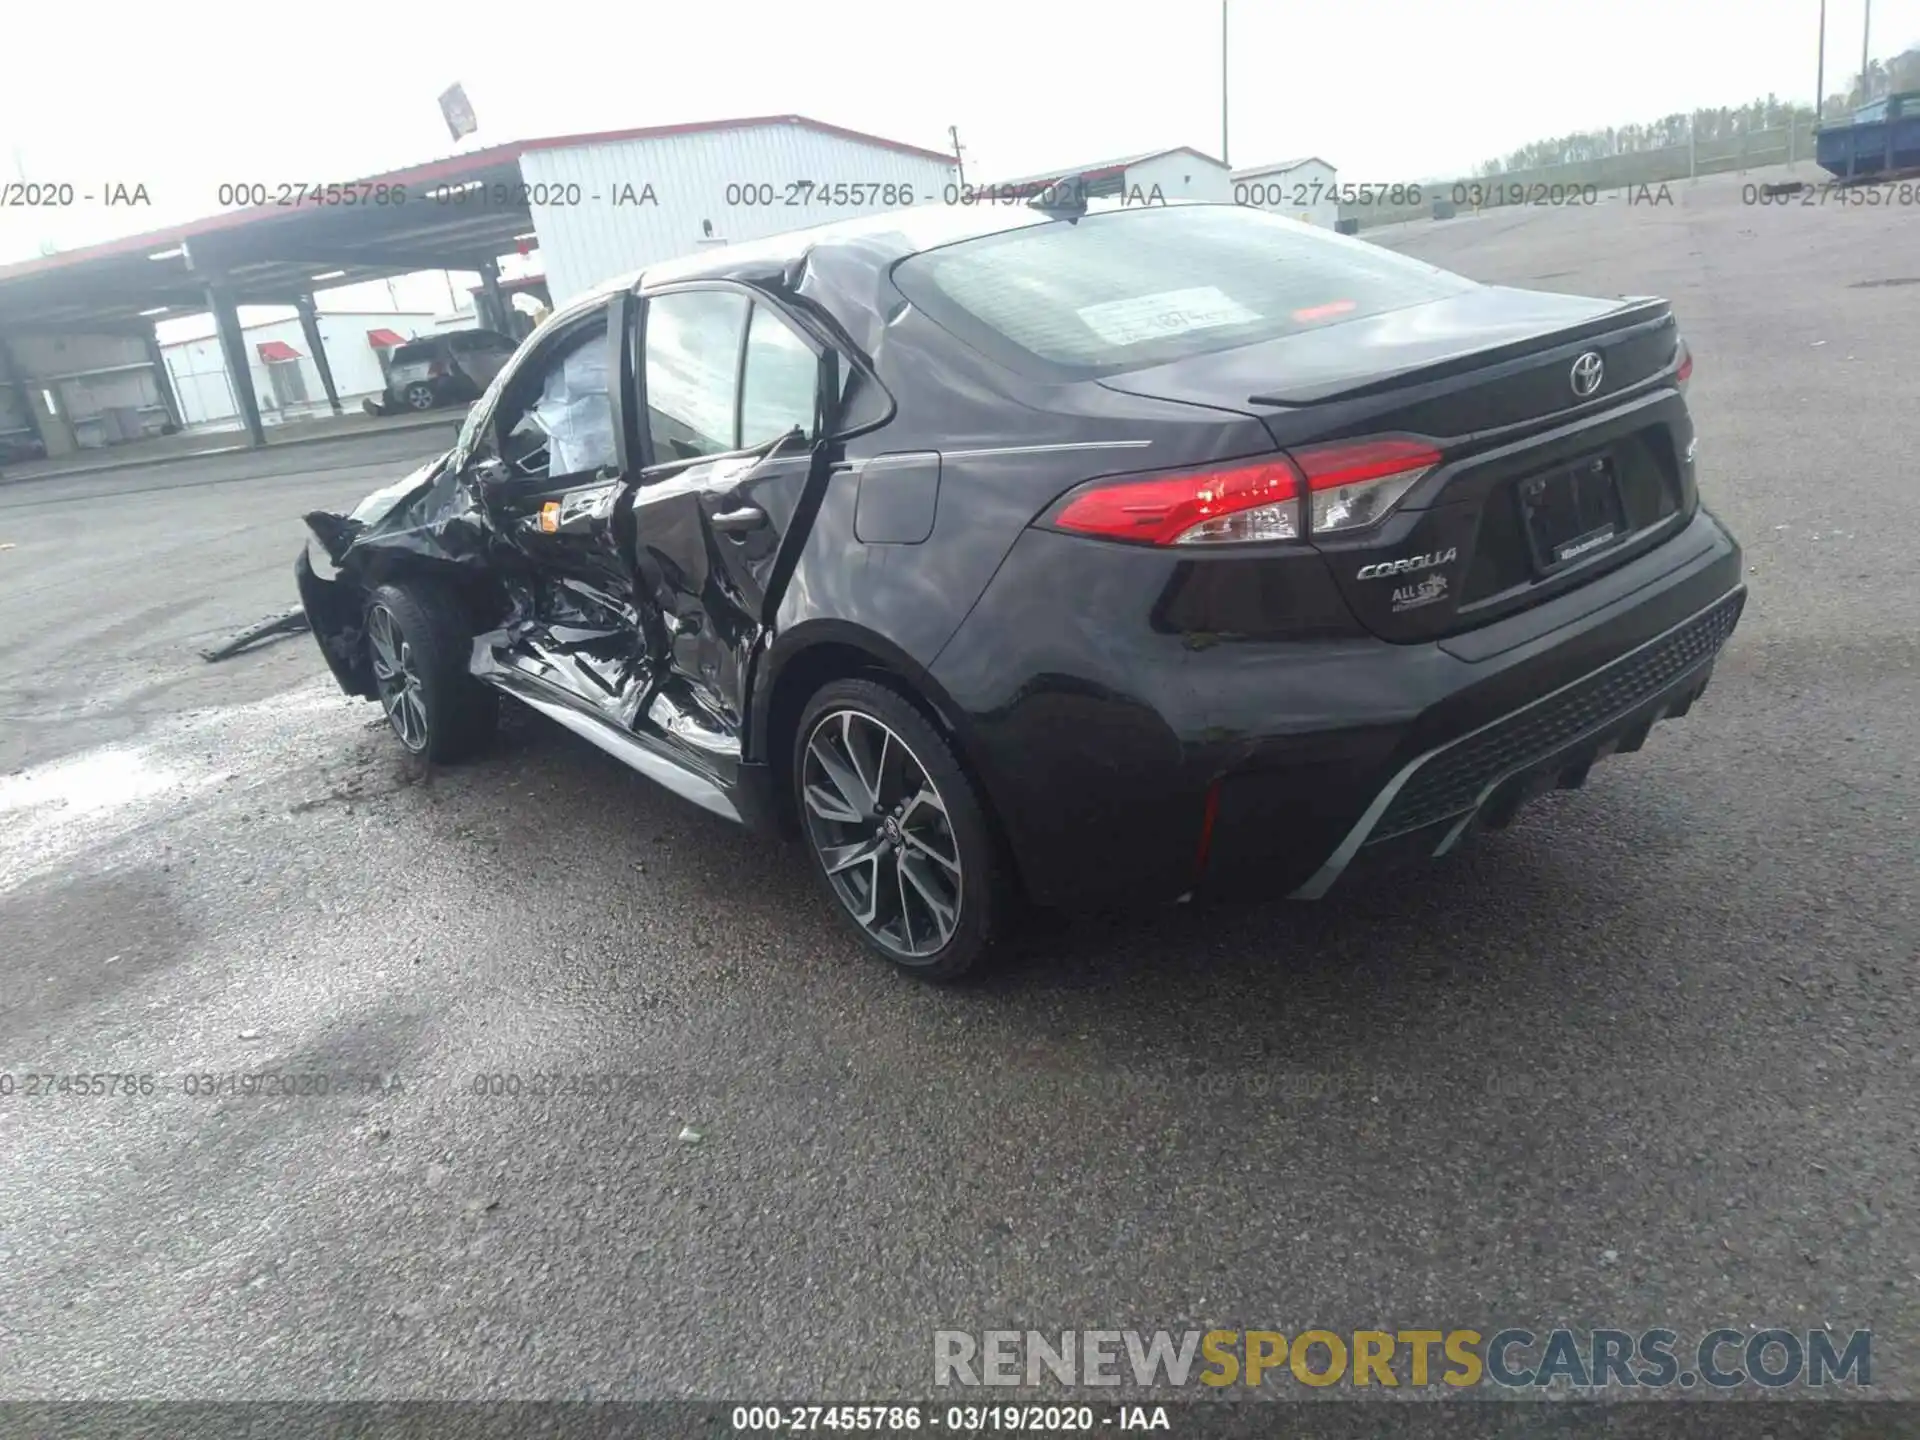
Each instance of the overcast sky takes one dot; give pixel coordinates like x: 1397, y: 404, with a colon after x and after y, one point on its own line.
x: 183, y: 96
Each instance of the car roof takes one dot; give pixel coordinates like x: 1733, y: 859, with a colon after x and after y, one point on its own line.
x: 868, y: 244
x: 884, y: 239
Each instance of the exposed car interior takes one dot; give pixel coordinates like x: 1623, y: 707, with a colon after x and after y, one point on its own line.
x: 565, y: 426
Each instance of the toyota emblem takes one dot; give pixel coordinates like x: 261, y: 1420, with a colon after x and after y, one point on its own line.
x: 1588, y: 371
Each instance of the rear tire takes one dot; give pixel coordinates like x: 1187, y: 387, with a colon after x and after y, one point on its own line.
x: 420, y: 396
x: 898, y: 833
x: 419, y: 645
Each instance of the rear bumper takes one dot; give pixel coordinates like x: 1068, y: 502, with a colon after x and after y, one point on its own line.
x: 1165, y: 767
x: 1485, y: 775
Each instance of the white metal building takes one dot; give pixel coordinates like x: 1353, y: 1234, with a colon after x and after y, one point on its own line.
x: 284, y: 374
x: 606, y: 204
x: 1154, y: 178
x: 1301, y: 189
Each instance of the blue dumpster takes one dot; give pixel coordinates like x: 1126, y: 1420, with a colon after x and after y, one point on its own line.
x: 1883, y: 139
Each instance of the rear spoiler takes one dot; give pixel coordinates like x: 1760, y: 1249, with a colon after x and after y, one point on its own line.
x: 1634, y: 314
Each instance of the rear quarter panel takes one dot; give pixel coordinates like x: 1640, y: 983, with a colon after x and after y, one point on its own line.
x: 1008, y: 449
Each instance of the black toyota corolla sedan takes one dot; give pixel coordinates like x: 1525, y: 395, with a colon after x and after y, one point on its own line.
x: 1055, y: 555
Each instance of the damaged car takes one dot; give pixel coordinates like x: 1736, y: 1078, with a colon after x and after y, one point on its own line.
x: 447, y: 369
x: 1057, y: 554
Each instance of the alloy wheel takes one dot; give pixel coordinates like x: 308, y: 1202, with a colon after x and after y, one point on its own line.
x: 395, y: 677
x: 881, y: 830
x: 420, y: 397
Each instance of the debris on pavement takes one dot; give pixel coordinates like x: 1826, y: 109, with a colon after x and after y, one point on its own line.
x: 294, y: 622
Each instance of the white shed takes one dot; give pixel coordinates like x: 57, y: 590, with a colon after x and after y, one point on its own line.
x: 606, y: 204
x: 1302, y: 189
x: 1154, y: 178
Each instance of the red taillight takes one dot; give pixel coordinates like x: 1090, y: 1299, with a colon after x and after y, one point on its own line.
x: 1357, y: 483
x: 1330, y: 466
x: 1684, y: 372
x: 1250, y: 502
x: 436, y: 370
x: 1348, y: 486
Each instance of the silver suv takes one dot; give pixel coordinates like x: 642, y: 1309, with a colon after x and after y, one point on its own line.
x: 446, y: 369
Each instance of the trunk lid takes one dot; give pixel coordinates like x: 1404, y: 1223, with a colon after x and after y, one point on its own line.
x: 1541, y: 486
x: 1393, y: 362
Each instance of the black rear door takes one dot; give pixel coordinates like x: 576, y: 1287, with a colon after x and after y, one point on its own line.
x: 731, y: 405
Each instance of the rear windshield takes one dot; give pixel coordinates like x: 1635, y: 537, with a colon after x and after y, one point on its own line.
x: 1129, y: 289
x: 412, y: 354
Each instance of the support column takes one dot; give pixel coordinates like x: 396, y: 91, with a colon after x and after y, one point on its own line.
x: 496, y: 305
x: 233, y: 349
x: 29, y: 400
x: 310, y: 327
x: 163, y: 379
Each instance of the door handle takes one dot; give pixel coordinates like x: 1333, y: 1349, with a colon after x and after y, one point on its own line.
x: 732, y: 522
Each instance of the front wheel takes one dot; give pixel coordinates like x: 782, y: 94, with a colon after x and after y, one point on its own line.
x: 898, y: 833
x: 419, y: 645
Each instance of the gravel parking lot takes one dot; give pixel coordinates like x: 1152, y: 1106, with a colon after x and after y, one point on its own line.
x: 1647, y: 1058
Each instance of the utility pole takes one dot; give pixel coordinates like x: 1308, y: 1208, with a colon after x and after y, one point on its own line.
x: 1223, y: 83
x: 1866, y: 30
x: 1820, y: 85
x: 953, y: 134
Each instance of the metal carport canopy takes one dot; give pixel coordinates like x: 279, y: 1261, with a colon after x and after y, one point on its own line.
x: 458, y: 213
x: 455, y: 214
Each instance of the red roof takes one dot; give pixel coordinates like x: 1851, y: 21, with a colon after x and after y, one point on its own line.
x: 384, y: 339
x: 453, y: 167
x: 277, y: 350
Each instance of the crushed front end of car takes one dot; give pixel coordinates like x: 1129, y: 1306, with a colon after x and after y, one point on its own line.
x: 427, y: 522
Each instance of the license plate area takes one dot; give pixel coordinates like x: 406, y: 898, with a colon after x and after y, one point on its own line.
x: 1571, y: 513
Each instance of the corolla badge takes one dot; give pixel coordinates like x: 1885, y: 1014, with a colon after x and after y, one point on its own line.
x: 1385, y: 568
x: 1588, y: 371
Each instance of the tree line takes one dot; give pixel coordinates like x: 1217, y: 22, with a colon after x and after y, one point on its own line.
x: 1723, y: 123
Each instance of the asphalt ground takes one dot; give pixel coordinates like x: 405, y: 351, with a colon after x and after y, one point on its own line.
x: 1645, y: 1059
